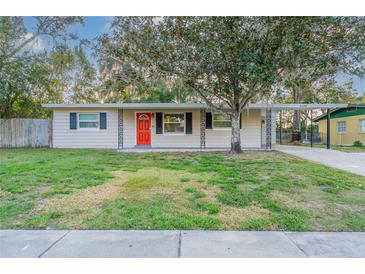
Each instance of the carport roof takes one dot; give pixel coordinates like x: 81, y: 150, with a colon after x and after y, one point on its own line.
x: 194, y: 106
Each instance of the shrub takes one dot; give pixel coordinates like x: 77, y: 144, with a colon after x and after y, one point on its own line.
x: 357, y: 143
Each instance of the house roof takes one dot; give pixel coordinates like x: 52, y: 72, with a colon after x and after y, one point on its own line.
x: 194, y: 106
x: 350, y: 110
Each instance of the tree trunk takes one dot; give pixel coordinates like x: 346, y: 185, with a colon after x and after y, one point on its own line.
x: 296, y: 126
x: 296, y: 118
x: 236, y: 134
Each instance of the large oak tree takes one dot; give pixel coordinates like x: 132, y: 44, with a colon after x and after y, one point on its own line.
x: 231, y: 61
x: 227, y: 61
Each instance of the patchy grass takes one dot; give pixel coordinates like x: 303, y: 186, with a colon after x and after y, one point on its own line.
x: 42, y: 220
x: 255, y: 224
x: 94, y: 189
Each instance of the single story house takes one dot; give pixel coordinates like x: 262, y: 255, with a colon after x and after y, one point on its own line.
x: 347, y: 124
x: 130, y: 126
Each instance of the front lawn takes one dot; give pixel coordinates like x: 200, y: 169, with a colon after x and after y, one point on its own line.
x: 93, y: 189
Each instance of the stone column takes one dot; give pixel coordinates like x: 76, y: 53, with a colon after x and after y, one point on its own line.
x: 120, y: 128
x: 268, y: 122
x: 202, y: 128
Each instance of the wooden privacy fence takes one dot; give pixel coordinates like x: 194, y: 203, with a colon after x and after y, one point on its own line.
x: 25, y: 133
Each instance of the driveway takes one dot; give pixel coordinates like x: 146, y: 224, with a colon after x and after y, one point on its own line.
x: 175, y: 244
x: 351, y: 162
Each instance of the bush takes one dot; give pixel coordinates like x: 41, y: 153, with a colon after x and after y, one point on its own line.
x: 357, y: 143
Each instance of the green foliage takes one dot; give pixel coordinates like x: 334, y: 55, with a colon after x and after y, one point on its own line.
x: 29, y: 75
x: 357, y: 143
x: 184, y: 179
x: 225, y: 62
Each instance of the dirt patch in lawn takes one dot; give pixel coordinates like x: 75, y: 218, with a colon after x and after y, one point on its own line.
x: 143, y: 185
x: 85, y: 199
x: 232, y: 217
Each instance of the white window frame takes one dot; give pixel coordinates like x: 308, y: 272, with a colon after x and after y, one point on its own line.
x: 88, y: 128
x: 220, y: 128
x: 337, y: 127
x: 362, y: 128
x: 163, y: 124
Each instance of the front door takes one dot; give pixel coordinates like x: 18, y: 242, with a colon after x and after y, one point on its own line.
x: 143, y: 128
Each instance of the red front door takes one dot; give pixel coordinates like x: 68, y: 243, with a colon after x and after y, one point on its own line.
x: 143, y: 128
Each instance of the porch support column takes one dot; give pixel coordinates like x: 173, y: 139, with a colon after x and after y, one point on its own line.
x: 328, y: 129
x: 311, y: 128
x: 268, y: 128
x: 202, y: 128
x: 120, y: 128
x: 280, y: 132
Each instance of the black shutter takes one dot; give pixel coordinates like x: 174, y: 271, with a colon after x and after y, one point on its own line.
x: 208, y: 120
x: 240, y: 120
x: 102, y: 120
x: 73, y: 120
x: 158, y: 122
x: 189, y: 122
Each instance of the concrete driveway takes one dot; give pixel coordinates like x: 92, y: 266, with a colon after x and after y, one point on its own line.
x: 351, y: 162
x: 175, y: 244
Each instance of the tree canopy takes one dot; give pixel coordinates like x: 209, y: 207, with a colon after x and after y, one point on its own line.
x: 28, y: 77
x: 231, y: 61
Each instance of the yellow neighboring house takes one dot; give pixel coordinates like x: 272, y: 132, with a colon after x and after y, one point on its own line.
x: 347, y: 125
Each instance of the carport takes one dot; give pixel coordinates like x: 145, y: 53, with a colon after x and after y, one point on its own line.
x: 302, y: 107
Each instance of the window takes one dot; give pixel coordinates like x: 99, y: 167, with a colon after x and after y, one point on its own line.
x: 88, y: 120
x: 221, y: 121
x: 341, y: 127
x: 362, y: 125
x: 174, y: 123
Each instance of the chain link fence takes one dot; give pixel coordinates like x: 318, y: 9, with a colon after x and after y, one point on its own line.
x: 286, y: 136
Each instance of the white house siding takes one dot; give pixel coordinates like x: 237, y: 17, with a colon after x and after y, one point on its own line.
x: 64, y: 137
x: 161, y: 140
x: 250, y: 132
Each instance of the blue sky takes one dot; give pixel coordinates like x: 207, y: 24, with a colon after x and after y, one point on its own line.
x: 93, y: 27
x: 96, y: 25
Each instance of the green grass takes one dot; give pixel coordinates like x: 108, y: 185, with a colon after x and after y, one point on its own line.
x: 95, y: 189
x: 255, y: 224
x: 42, y: 220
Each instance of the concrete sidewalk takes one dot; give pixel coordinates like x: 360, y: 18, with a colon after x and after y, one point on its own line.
x: 174, y: 244
x: 351, y: 162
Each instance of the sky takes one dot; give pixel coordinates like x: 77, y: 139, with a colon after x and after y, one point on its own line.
x: 96, y: 25
x: 93, y: 27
